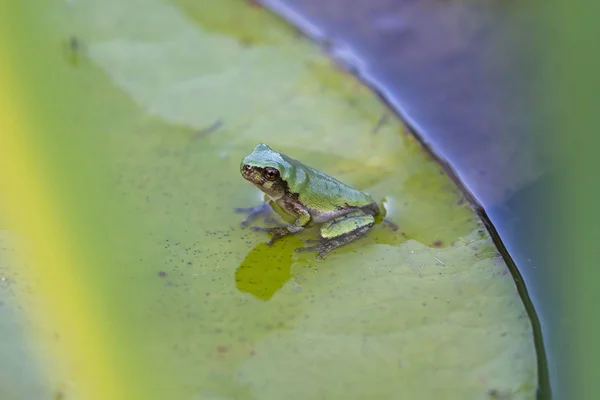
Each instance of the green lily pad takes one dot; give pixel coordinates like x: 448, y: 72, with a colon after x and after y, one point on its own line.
x: 169, y: 97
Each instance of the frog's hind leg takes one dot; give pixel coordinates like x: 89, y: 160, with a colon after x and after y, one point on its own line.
x: 341, y: 231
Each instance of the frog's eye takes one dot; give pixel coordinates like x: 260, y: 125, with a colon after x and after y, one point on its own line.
x: 270, y: 173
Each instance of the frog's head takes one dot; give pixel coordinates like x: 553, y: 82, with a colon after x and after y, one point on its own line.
x: 267, y: 169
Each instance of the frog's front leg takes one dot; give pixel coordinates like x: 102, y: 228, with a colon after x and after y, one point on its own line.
x: 254, y: 212
x: 303, y: 219
x: 341, y: 231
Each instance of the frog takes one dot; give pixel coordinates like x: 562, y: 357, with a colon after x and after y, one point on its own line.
x: 309, y: 197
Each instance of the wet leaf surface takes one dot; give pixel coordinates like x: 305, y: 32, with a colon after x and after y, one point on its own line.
x: 184, y: 90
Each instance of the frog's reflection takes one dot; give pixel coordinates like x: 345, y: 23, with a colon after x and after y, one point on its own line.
x: 264, y: 270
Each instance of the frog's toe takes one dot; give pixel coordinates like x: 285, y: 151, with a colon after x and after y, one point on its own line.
x: 392, y: 225
x: 246, y: 221
x: 302, y: 249
x: 322, y: 248
x: 312, y: 241
x: 273, y: 240
x: 318, y: 247
x: 244, y: 210
x: 276, y: 233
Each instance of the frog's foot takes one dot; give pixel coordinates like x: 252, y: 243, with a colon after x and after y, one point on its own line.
x: 392, y: 225
x: 276, y: 233
x: 254, y: 212
x: 327, y: 245
x: 341, y: 231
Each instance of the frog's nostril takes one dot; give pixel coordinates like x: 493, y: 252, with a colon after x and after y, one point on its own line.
x: 247, y: 167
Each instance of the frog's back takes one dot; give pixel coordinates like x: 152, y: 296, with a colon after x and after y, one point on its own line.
x: 319, y: 189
